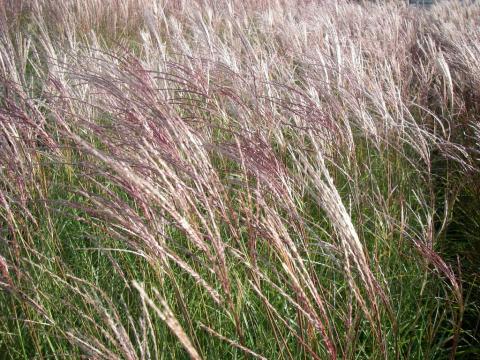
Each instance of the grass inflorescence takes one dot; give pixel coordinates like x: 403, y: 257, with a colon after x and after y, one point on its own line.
x: 239, y: 179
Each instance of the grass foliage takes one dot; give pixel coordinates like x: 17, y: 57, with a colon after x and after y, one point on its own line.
x: 281, y: 179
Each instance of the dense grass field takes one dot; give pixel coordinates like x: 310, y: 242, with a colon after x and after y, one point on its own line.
x: 272, y: 179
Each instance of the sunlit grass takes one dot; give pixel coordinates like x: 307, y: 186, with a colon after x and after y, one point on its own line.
x: 231, y: 180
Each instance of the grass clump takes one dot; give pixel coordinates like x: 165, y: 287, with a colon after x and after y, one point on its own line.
x: 284, y: 180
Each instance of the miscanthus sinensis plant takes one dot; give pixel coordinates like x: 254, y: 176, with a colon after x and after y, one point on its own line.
x: 238, y: 179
